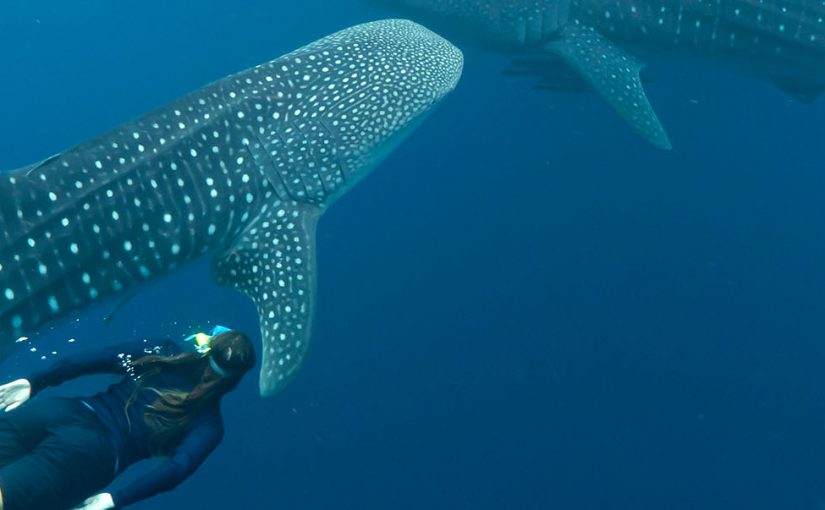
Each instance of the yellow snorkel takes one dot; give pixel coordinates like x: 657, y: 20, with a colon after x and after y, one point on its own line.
x: 202, y: 340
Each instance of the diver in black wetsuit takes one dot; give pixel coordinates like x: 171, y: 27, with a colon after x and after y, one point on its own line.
x: 54, y: 452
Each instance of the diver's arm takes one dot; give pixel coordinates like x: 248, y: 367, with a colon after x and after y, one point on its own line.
x: 189, y: 455
x: 112, y: 359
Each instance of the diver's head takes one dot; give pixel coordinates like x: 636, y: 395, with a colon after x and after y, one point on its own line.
x: 220, y: 361
x: 231, y: 354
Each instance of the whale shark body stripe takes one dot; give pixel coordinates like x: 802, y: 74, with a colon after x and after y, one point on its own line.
x: 108, y: 213
x: 242, y: 168
x: 794, y: 22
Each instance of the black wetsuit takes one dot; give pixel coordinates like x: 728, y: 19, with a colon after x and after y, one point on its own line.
x: 55, y: 452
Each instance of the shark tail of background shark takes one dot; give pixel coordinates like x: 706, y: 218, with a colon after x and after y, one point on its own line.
x: 614, y: 74
x: 273, y: 262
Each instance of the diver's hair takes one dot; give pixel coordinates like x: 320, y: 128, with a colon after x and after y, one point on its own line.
x: 168, y: 418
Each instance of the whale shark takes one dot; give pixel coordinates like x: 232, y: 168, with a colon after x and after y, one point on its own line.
x: 782, y: 41
x: 241, y: 169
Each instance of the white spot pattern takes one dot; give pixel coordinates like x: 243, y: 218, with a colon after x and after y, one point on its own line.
x: 273, y: 145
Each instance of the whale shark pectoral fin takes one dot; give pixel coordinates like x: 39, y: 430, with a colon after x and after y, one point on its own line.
x: 614, y: 74
x: 273, y: 262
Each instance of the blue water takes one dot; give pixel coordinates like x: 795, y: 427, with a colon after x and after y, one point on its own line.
x: 524, y: 307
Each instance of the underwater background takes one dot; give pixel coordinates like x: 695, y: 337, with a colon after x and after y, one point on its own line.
x: 525, y: 307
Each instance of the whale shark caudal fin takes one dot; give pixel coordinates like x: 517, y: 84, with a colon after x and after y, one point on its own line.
x: 614, y: 74
x: 273, y: 262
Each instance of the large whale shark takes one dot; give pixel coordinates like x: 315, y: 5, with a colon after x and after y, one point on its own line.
x: 782, y: 41
x: 242, y: 168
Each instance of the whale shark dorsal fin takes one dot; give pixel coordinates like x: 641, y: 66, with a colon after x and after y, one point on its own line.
x: 273, y: 262
x: 614, y: 74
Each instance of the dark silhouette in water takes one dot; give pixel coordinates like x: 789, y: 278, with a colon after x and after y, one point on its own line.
x: 120, y: 304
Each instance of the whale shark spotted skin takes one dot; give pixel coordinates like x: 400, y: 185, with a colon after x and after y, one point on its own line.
x: 242, y: 168
x: 782, y: 41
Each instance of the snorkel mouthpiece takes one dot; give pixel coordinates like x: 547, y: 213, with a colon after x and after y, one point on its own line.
x: 201, y: 341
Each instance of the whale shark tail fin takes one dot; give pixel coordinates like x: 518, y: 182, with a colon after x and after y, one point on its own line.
x: 614, y: 74
x: 273, y: 262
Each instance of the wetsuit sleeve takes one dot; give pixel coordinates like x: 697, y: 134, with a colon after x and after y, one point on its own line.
x: 108, y: 360
x: 190, y: 454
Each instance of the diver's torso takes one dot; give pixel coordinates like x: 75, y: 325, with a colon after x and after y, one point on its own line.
x: 121, y: 407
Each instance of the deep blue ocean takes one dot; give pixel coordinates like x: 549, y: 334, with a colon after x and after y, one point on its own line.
x: 526, y: 306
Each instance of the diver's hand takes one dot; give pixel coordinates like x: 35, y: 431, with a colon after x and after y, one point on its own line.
x: 13, y: 394
x: 102, y: 501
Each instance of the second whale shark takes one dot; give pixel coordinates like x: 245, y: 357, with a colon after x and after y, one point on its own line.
x: 781, y: 41
x: 242, y: 168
